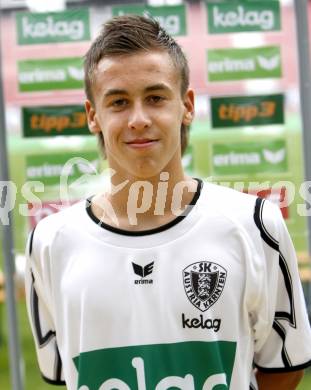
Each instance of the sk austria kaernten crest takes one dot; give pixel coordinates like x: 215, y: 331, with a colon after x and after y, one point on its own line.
x: 204, y: 282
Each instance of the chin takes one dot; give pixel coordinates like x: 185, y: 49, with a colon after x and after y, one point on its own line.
x: 145, y: 172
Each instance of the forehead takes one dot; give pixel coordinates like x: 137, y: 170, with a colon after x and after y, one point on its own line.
x: 137, y: 69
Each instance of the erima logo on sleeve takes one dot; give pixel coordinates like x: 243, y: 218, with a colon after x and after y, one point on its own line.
x: 143, y: 272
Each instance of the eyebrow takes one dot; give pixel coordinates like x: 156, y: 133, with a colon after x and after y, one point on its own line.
x: 155, y: 87
x: 112, y: 92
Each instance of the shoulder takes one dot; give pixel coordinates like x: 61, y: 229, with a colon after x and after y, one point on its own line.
x: 255, y: 214
x: 227, y: 197
x: 47, y: 229
x: 228, y: 202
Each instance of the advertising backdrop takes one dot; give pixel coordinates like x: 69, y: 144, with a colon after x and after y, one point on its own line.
x: 243, y: 62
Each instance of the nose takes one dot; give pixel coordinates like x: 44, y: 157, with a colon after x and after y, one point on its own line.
x: 139, y: 118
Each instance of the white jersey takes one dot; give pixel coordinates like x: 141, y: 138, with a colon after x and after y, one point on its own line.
x: 190, y: 305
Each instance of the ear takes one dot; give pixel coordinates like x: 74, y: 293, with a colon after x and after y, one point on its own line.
x: 91, y: 118
x: 188, y: 107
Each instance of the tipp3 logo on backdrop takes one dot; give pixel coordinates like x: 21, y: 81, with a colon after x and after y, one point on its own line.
x: 235, y: 111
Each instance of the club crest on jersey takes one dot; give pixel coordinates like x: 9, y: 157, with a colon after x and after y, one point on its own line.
x: 204, y: 282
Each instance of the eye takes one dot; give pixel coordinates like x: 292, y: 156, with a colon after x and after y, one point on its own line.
x: 119, y: 103
x: 155, y: 99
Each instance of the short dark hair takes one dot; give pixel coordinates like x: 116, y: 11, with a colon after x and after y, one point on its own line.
x: 128, y: 34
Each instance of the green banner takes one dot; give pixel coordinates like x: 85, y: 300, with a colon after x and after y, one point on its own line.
x: 47, y: 168
x: 158, y: 366
x: 235, y: 111
x: 54, y: 120
x: 249, y: 158
x: 240, y: 64
x: 49, y: 27
x: 231, y: 16
x: 171, y: 18
x: 50, y: 74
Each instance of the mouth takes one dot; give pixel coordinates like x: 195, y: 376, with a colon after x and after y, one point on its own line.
x: 141, y: 143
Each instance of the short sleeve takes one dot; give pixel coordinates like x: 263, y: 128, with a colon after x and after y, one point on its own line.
x: 286, y: 340
x: 40, y: 315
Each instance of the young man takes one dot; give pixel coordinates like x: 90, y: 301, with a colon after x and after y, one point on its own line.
x: 162, y: 282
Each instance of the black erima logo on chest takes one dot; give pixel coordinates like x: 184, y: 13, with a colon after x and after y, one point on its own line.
x: 143, y: 272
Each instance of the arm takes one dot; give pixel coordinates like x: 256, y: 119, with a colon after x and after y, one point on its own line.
x: 282, y: 332
x: 40, y: 316
x: 280, y: 381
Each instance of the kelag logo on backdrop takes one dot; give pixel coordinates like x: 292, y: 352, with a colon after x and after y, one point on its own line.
x: 50, y: 74
x: 171, y: 18
x: 240, y: 64
x: 67, y: 26
x: 235, y: 111
x: 233, y: 16
x: 251, y: 157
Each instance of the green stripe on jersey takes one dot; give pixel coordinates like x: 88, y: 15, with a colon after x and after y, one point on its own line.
x: 185, y: 366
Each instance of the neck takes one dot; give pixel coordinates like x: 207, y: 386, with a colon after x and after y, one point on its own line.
x: 143, y: 203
